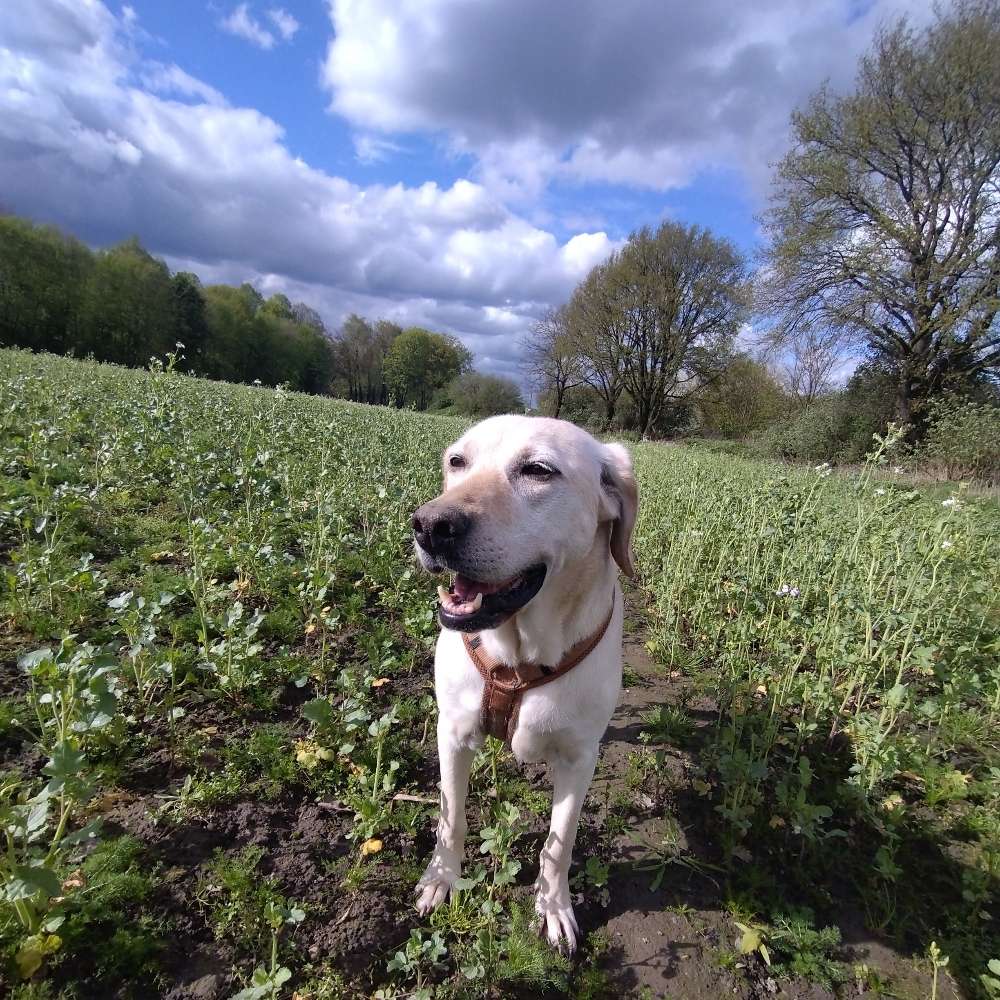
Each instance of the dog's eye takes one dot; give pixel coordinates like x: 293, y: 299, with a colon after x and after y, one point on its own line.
x: 538, y: 471
x: 456, y: 462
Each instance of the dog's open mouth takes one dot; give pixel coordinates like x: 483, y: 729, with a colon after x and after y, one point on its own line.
x: 471, y: 605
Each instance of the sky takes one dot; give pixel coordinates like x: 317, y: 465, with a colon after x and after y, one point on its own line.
x: 457, y: 164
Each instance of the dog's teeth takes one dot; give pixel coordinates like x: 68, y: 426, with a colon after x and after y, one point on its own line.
x: 443, y: 595
x: 478, y: 602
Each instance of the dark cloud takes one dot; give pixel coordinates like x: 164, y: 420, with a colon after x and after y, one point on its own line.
x: 635, y: 91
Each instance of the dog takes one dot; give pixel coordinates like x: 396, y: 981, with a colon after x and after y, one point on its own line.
x: 535, y: 521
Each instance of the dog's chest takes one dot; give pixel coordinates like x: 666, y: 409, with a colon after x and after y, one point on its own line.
x: 574, y: 708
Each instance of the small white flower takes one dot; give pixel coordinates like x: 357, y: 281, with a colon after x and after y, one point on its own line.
x: 257, y: 381
x: 794, y: 592
x: 179, y: 346
x: 950, y: 502
x: 898, y: 469
x: 782, y: 591
x: 880, y: 493
x: 946, y: 544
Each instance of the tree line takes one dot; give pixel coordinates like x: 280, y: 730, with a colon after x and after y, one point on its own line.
x: 883, y: 243
x: 123, y: 305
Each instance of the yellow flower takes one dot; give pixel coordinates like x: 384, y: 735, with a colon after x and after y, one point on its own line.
x: 371, y: 846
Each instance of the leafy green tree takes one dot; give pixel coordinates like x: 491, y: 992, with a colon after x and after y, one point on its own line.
x: 745, y: 397
x: 190, y: 316
x: 278, y: 306
x: 419, y: 362
x: 886, y: 217
x: 475, y: 394
x: 42, y: 275
x: 230, y: 313
x: 127, y: 308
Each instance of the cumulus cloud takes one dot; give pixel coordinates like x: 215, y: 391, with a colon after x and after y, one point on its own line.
x: 634, y: 92
x: 106, y: 144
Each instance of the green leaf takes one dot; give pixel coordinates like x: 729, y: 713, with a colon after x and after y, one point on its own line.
x: 318, y: 711
x: 31, y: 660
x: 896, y: 695
x: 85, y: 833
x: 27, y: 881
x: 66, y: 762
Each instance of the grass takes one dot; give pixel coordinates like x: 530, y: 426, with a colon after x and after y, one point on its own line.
x: 217, y: 642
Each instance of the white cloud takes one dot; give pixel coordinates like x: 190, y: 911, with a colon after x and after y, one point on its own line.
x: 243, y: 24
x: 636, y: 92
x: 284, y: 22
x: 370, y: 148
x: 172, y: 80
x: 107, y: 145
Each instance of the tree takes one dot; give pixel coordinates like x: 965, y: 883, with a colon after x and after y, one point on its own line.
x: 279, y: 306
x: 598, y: 338
x: 190, y: 316
x: 42, y: 275
x: 352, y: 349
x: 307, y: 316
x: 744, y: 397
x: 474, y: 394
x: 814, y: 356
x: 658, y: 319
x: 886, y: 218
x: 551, y: 360
x: 420, y: 362
x: 126, y: 313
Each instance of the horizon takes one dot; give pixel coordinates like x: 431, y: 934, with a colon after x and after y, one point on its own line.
x: 383, y: 159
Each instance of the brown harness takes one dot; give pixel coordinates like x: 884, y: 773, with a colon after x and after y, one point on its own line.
x: 504, y: 685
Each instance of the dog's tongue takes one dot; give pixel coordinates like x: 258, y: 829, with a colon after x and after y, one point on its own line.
x: 466, y: 589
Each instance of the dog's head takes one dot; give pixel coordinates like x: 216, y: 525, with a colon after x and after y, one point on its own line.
x: 524, y: 498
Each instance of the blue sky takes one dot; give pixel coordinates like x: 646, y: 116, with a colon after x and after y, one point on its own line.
x: 456, y: 164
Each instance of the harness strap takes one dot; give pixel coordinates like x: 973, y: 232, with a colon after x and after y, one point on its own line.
x: 504, y: 684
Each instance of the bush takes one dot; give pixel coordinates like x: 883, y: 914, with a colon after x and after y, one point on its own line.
x: 474, y: 394
x: 962, y: 440
x: 812, y: 434
x: 838, y: 427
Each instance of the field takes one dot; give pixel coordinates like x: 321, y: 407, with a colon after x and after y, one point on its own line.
x: 216, y: 720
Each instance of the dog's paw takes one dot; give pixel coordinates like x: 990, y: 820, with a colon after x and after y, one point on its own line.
x: 437, y: 882
x: 556, y: 918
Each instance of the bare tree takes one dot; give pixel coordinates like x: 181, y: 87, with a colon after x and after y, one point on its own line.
x: 886, y: 219
x: 812, y: 360
x: 597, y: 331
x: 551, y: 361
x: 659, y: 318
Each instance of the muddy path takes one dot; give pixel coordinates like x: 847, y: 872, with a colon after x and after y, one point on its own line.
x: 669, y: 933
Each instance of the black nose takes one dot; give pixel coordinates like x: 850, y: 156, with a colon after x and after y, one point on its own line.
x: 437, y: 530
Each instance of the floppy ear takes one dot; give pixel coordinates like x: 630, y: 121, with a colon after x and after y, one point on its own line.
x: 619, y: 503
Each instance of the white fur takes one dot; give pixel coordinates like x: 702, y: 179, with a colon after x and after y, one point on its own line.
x: 565, y: 523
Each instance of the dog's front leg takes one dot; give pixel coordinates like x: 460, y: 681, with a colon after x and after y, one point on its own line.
x: 446, y: 862
x: 571, y: 777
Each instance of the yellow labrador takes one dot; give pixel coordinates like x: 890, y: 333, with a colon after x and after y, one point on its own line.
x: 534, y: 516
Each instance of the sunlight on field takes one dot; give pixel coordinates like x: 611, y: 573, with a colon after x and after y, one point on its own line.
x: 219, y: 739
